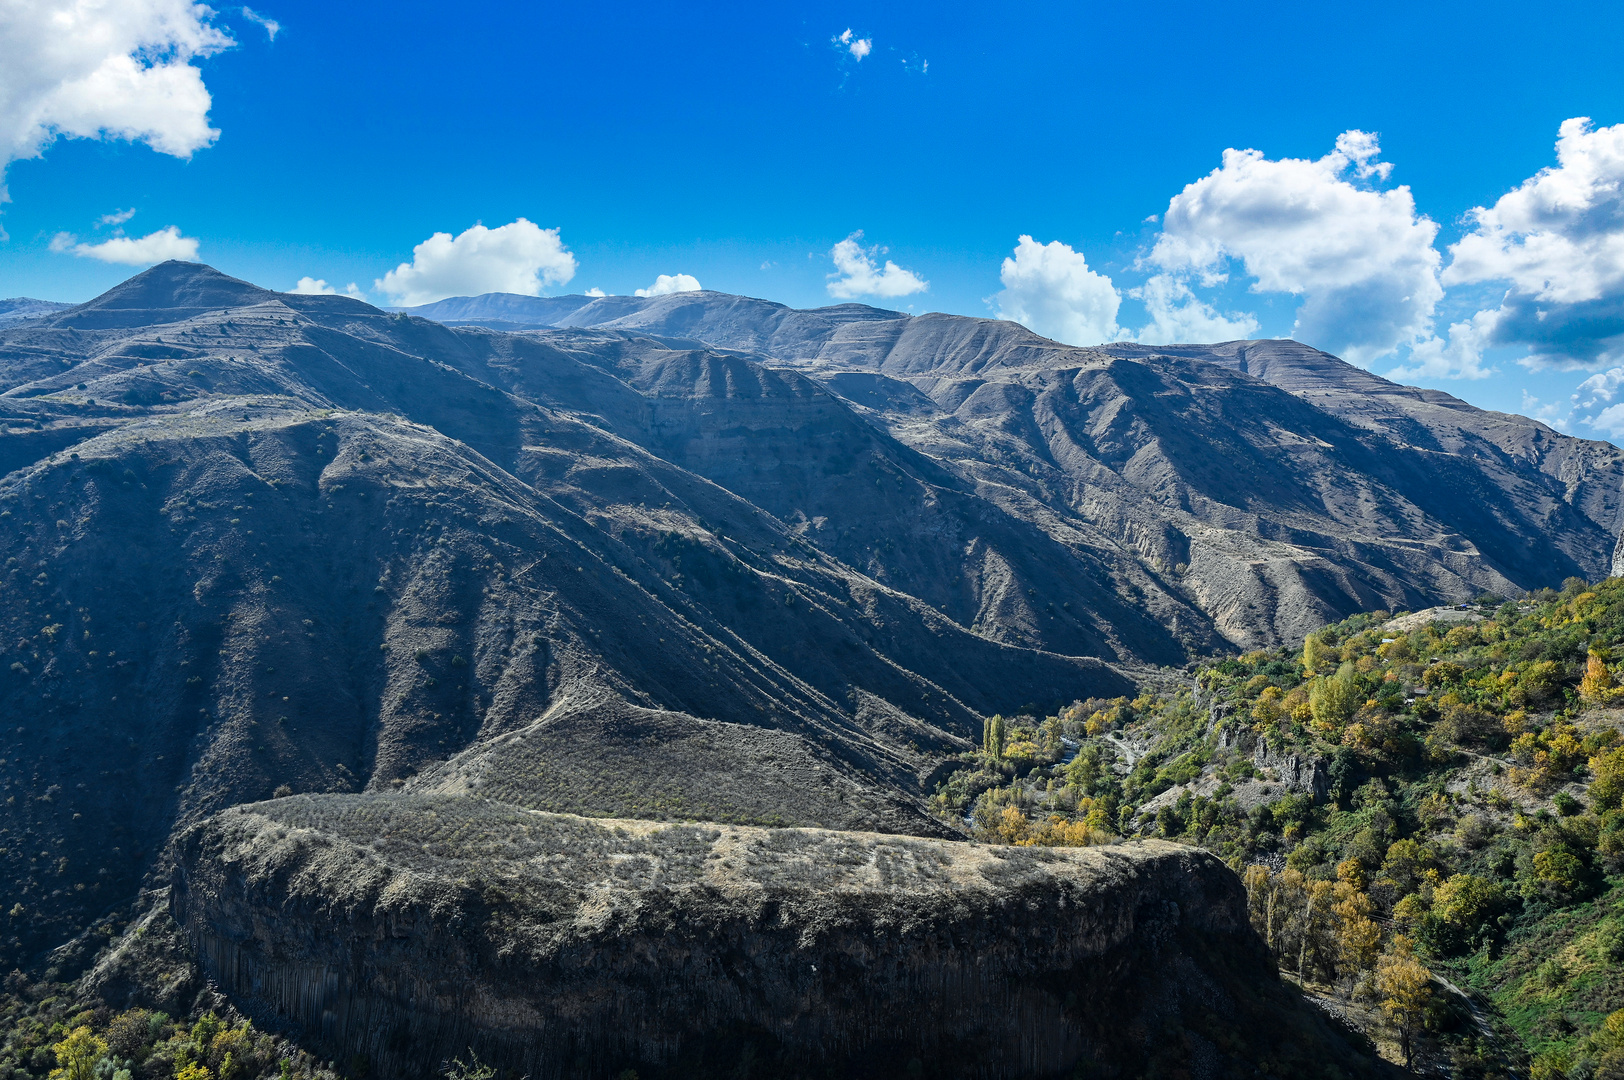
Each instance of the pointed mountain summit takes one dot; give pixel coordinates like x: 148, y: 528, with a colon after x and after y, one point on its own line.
x: 169, y: 292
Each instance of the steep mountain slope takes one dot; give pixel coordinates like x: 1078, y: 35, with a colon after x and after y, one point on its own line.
x: 1266, y: 484
x: 762, y: 565
x: 1282, y: 515
x: 1517, y: 455
x: 783, y: 442
x: 690, y: 557
x: 267, y: 541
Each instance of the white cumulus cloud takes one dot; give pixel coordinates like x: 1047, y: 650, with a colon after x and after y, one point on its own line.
x: 1610, y: 420
x: 104, y: 69
x: 1049, y: 289
x: 859, y: 47
x: 1599, y: 388
x: 1557, y: 241
x: 666, y: 284
x: 1361, y: 258
x: 309, y: 286
x: 271, y: 26
x: 1457, y: 356
x: 1177, y: 315
x: 117, y: 217
x: 519, y: 257
x: 857, y: 274
x: 167, y: 243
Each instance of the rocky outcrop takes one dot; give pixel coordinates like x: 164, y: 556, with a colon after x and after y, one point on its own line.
x: 404, y: 930
x: 1298, y: 772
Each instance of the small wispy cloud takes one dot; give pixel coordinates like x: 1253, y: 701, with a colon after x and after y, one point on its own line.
x: 272, y: 27
x: 666, y: 284
x: 858, y: 47
x: 1552, y: 413
x: 309, y: 286
x: 117, y: 217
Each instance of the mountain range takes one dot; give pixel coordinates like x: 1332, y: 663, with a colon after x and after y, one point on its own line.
x: 691, y: 556
x: 1290, y: 486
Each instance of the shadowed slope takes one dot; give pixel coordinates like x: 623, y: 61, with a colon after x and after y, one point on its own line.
x: 235, y: 580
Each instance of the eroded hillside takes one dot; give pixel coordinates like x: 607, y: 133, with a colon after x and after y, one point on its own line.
x: 1267, y: 485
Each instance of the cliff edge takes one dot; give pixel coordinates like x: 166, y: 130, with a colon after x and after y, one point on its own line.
x: 402, y: 930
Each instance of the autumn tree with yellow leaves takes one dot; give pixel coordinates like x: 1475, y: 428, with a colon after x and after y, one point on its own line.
x: 78, y: 1054
x: 1403, y: 986
x: 1598, y: 686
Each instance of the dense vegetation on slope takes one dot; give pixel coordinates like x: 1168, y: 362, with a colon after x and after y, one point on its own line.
x: 47, y: 1030
x: 1439, y: 791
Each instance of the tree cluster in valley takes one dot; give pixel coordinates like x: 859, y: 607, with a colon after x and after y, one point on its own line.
x: 48, y: 1031
x: 1410, y: 800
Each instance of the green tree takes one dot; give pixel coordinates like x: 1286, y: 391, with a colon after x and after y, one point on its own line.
x: 1316, y: 654
x: 1461, y: 908
x: 1607, y: 789
x: 1561, y: 873
x: 1406, y: 864
x: 1333, y: 700
x: 995, y: 735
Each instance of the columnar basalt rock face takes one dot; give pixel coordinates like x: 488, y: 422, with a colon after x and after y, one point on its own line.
x: 409, y: 929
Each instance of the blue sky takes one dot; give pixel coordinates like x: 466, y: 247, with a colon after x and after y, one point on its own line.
x: 742, y: 147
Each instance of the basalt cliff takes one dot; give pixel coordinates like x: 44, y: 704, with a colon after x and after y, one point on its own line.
x: 400, y: 930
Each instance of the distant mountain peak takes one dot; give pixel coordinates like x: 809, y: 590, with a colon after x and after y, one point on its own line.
x: 665, y: 313
x: 168, y: 292
x: 18, y: 308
